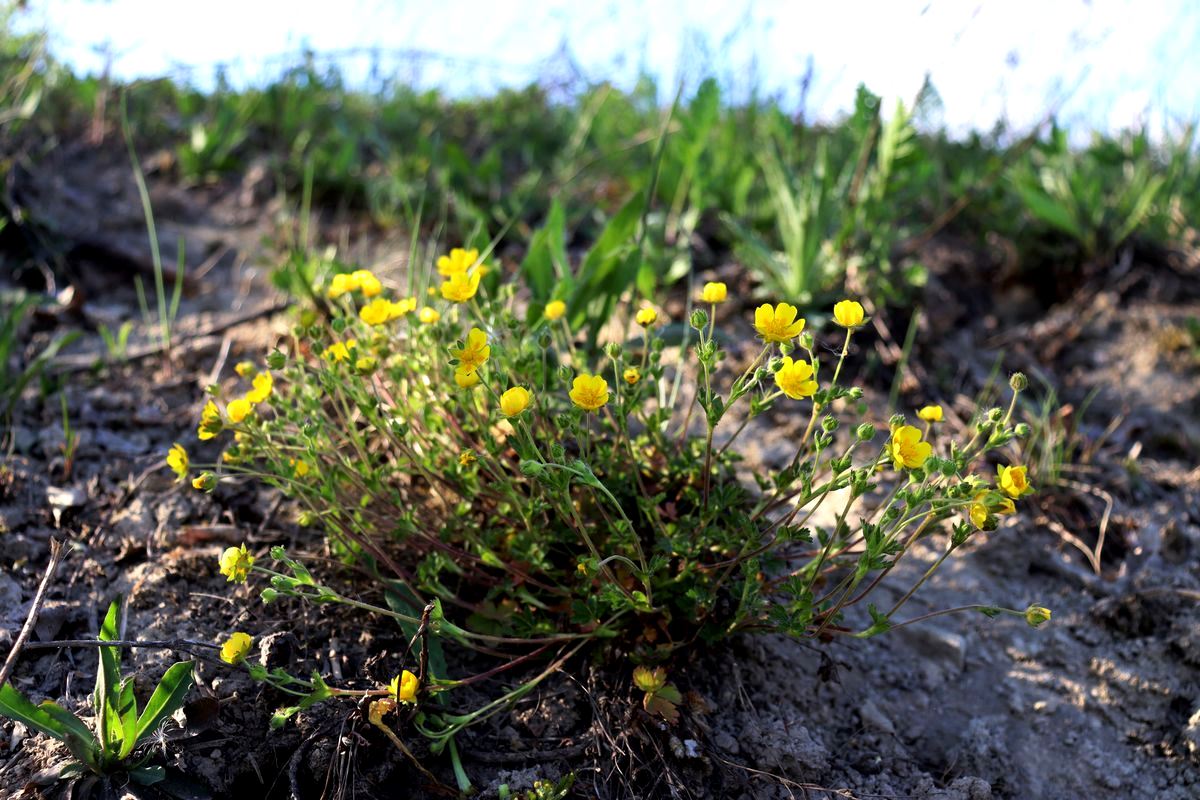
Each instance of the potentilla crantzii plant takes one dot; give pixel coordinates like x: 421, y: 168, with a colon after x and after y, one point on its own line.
x: 514, y: 492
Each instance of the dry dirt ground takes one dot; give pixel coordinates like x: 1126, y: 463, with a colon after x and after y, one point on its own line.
x: 1103, y: 701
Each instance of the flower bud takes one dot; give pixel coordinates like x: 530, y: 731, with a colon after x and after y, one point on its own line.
x: 855, y: 393
x: 829, y: 424
x: 865, y: 432
x: 1018, y: 381
x: 1021, y: 430
x: 276, y: 359
x: 557, y: 452
x: 532, y: 469
x: 612, y: 350
x: 306, y: 519
x: 269, y: 595
x: 1036, y: 615
x: 775, y: 364
x: 205, y: 481
x: 995, y: 415
x: 698, y: 319
x: 896, y: 421
x: 544, y: 339
x: 806, y: 340
x: 338, y: 325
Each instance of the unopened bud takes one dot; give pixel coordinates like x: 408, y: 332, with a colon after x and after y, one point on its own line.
x: 1018, y: 381
x: 865, y: 432
x: 699, y: 319
x: 1036, y: 615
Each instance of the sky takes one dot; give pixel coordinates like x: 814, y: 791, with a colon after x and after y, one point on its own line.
x: 1101, y: 64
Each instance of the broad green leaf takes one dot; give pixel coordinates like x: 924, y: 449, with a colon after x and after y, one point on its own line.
x: 16, y: 706
x: 546, y: 259
x: 168, y: 697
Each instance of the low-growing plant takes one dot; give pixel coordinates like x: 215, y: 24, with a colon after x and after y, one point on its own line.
x: 110, y: 746
x: 518, y: 493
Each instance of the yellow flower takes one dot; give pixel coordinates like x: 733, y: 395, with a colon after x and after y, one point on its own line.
x: 238, y: 409
x: 794, y: 379
x: 474, y: 352
x: 589, y: 392
x: 342, y: 284
x: 299, y: 468
x: 236, y: 563
x: 204, y: 482
x: 263, y: 383
x: 466, y: 458
x: 236, y: 648
x: 778, y: 324
x: 366, y: 282
x: 514, y: 401
x: 1013, y: 481
x: 245, y: 369
x: 848, y: 313
x: 466, y: 378
x: 646, y: 317
x: 340, y: 351
x: 713, y: 292
x: 429, y: 316
x: 632, y: 376
x: 381, y: 310
x: 177, y: 460
x: 458, y: 261
x: 210, y: 421
x: 404, y: 687
x: 461, y: 286
x: 555, y: 310
x: 931, y: 413
x: 907, y: 449
x: 1036, y: 615
x: 985, y: 506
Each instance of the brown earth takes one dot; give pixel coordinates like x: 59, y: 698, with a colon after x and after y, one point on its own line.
x: 1103, y: 701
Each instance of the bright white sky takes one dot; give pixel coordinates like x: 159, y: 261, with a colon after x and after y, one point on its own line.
x: 1108, y: 64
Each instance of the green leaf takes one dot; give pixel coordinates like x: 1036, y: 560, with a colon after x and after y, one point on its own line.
x: 147, y: 776
x: 546, y: 258
x: 168, y: 698
x: 108, y: 680
x: 16, y: 706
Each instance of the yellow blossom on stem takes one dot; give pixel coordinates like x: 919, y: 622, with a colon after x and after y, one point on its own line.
x: 1013, y: 481
x: 429, y: 315
x: 299, y: 468
x: 646, y: 317
x: 458, y: 261
x: 236, y: 563
x: 235, y: 649
x: 474, y: 352
x: 366, y: 364
x: 239, y: 409
x: 381, y: 310
x: 366, y: 282
x: 794, y: 379
x: 589, y: 392
x: 404, y: 687
x: 210, y: 421
x: 341, y: 284
x: 632, y: 376
x: 713, y: 292
x: 555, y: 310
x: 466, y: 378
x: 848, y: 313
x: 907, y: 449
x: 461, y: 286
x: 340, y: 351
x: 1036, y: 615
x: 466, y: 458
x: 931, y: 413
x: 177, y: 460
x: 514, y: 401
x: 778, y: 324
x: 204, y: 482
x: 245, y: 369
x: 263, y: 384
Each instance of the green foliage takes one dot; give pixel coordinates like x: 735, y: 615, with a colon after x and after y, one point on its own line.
x: 119, y: 728
x: 17, y: 369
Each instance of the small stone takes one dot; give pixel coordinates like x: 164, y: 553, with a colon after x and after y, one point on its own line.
x: 1191, y: 736
x: 873, y: 717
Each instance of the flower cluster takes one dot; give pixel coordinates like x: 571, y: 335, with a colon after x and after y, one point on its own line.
x: 553, y: 491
